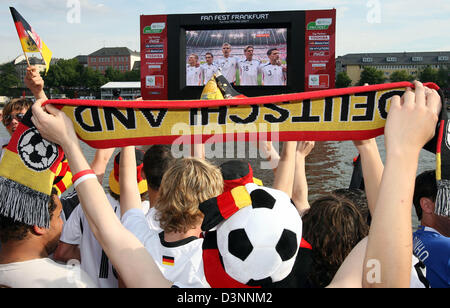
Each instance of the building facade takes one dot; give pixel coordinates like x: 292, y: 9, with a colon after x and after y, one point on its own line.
x: 411, y: 62
x: 83, y: 60
x: 21, y: 66
x: 119, y: 58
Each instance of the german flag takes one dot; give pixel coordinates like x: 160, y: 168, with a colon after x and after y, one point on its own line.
x: 63, y: 179
x: 223, y: 206
x: 30, y: 41
x: 168, y: 260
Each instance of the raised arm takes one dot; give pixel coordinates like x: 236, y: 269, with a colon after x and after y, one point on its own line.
x: 268, y: 152
x: 411, y: 122
x: 300, y: 187
x: 100, y: 161
x: 35, y: 83
x: 284, y: 175
x: 129, y: 191
x: 372, y: 169
x: 134, y: 264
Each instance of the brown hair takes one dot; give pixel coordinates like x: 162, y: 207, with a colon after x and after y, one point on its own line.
x: 333, y: 226
x: 187, y: 183
x: 11, y: 230
x: 16, y: 104
x: 249, y: 46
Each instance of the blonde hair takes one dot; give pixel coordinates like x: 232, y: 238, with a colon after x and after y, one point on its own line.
x: 187, y: 183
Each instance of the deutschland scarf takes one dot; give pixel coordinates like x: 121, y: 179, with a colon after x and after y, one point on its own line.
x: 339, y: 114
x: 330, y: 115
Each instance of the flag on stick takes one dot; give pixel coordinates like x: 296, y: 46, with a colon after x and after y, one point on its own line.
x: 30, y: 41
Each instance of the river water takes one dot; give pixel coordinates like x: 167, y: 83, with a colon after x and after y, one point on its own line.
x: 328, y: 166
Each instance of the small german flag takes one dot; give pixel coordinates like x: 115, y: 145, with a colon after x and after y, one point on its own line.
x: 29, y: 39
x: 63, y: 179
x: 168, y: 260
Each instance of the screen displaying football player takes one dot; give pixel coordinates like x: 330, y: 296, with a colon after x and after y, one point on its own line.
x: 193, y: 71
x: 208, y: 68
x: 249, y: 68
x: 273, y: 73
x: 228, y: 63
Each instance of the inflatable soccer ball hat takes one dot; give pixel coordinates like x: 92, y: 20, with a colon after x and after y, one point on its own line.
x: 256, y: 238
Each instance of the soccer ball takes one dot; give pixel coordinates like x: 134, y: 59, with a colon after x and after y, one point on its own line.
x: 36, y: 152
x: 261, y: 241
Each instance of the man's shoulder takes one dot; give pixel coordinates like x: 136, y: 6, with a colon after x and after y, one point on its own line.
x: 431, y: 239
x: 56, y: 275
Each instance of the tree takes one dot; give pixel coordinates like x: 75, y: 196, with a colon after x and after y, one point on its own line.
x: 444, y: 77
x: 72, y: 78
x: 428, y: 74
x: 402, y: 75
x: 63, y: 75
x: 111, y: 74
x: 342, y: 80
x: 9, y: 79
x: 92, y: 80
x: 371, y: 76
x: 132, y: 75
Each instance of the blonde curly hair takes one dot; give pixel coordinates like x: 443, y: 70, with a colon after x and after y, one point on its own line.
x: 187, y: 183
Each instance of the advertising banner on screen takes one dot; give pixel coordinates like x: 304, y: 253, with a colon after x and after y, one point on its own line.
x: 320, y: 50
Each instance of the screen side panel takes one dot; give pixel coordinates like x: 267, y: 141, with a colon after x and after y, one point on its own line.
x: 320, y: 35
x: 154, y: 57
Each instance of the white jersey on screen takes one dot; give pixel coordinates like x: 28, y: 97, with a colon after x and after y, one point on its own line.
x: 229, y: 67
x: 193, y: 76
x: 208, y: 71
x: 273, y: 75
x: 248, y: 72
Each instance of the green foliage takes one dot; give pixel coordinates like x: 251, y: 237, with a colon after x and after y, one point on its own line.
x: 69, y: 76
x: 402, y: 75
x: 342, y: 80
x: 428, y: 74
x: 444, y: 77
x: 440, y: 77
x: 9, y: 80
x: 371, y: 76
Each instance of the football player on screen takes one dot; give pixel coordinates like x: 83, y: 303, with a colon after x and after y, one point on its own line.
x: 228, y: 64
x: 194, y: 76
x: 273, y: 73
x: 249, y: 69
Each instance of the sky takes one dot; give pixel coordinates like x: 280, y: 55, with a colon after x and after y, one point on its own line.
x: 80, y: 27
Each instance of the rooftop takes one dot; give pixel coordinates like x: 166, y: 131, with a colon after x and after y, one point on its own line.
x: 437, y: 57
x: 114, y: 51
x: 122, y: 85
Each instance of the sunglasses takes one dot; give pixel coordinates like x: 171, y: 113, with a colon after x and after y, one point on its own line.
x: 10, y: 117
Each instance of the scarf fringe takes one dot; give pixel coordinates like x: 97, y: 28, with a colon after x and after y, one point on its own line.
x: 442, y: 207
x: 23, y: 204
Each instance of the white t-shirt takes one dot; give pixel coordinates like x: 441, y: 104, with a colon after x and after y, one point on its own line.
x: 273, y: 75
x: 208, y: 71
x: 416, y: 281
x: 153, y: 222
x: 248, y: 72
x: 180, y: 262
x: 194, y: 76
x: 44, y: 273
x: 228, y: 66
x: 94, y: 261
